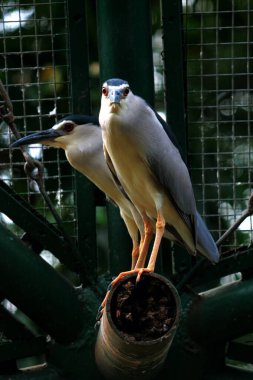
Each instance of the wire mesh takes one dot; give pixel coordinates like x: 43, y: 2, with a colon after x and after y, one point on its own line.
x: 218, y: 34
x: 218, y: 48
x: 34, y: 69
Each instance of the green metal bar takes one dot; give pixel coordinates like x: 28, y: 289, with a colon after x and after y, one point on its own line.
x: 118, y: 240
x: 36, y: 289
x: 12, y: 328
x: 38, y: 374
x: 174, y: 70
x: 85, y: 199
x: 221, y: 314
x: 22, y: 348
x: 79, y: 57
x: 86, y: 224
x: 21, y: 212
x: 125, y: 49
x: 175, y: 94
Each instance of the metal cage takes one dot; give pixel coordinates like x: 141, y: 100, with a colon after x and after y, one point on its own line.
x: 193, y: 61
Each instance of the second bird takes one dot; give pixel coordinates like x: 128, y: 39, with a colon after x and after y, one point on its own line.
x: 80, y: 137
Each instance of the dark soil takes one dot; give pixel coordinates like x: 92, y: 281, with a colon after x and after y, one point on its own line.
x: 143, y: 311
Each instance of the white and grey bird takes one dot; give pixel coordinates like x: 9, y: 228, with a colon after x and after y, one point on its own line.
x: 152, y: 173
x: 81, y: 138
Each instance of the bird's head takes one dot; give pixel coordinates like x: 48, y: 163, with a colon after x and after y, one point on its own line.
x: 66, y: 131
x: 115, y: 94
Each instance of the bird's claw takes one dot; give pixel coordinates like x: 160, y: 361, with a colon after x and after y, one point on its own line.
x: 97, y: 324
x: 99, y: 315
x: 141, y: 271
x: 101, y: 308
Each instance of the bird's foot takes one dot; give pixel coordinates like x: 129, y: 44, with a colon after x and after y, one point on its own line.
x: 142, y: 270
x: 139, y: 272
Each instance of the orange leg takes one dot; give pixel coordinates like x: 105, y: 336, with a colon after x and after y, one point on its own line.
x: 141, y: 243
x: 145, y: 242
x: 135, y: 255
x: 139, y: 272
x: 160, y: 225
x: 139, y: 267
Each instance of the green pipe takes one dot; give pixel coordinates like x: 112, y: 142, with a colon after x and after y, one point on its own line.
x: 221, y: 314
x: 36, y: 289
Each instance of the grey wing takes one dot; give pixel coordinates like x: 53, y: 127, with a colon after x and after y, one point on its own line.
x: 167, y: 165
x: 171, y: 172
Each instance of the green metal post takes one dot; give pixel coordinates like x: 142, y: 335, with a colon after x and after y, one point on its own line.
x: 36, y: 289
x: 125, y: 44
x: 85, y: 199
x: 125, y: 49
x: 175, y: 93
x: 174, y: 70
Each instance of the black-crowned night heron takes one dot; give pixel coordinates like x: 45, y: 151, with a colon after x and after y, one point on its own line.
x: 152, y: 173
x: 80, y: 137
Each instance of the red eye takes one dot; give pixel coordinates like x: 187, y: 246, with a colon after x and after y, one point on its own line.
x: 68, y: 127
x: 104, y: 91
x: 126, y: 91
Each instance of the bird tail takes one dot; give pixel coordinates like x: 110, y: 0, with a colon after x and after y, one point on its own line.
x: 205, y: 243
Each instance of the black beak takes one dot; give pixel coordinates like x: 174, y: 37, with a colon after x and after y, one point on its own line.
x: 38, y: 137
